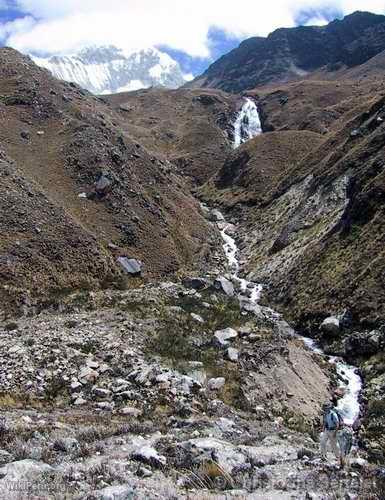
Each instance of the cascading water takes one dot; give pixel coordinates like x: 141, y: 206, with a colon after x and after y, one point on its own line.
x: 350, y: 382
x: 248, y: 124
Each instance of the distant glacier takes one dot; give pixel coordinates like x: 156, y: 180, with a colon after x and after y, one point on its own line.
x: 108, y: 70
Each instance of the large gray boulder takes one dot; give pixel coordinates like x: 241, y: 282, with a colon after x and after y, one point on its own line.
x: 22, y: 471
x: 215, y: 216
x: 131, y: 266
x: 223, y: 337
x: 331, y: 325
x: 224, y: 285
x: 121, y: 492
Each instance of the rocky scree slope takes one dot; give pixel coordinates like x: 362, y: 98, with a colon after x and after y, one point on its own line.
x: 292, y: 53
x: 57, y: 141
x: 191, y: 128
x: 168, y: 415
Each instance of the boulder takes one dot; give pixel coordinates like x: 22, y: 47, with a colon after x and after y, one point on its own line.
x: 148, y: 455
x: 215, y: 216
x: 196, y: 283
x: 331, y: 325
x: 222, y: 337
x: 131, y: 266
x: 214, y: 384
x: 197, y: 318
x: 363, y: 343
x: 121, y: 492
x: 23, y: 470
x: 232, y: 354
x: 87, y: 375
x: 103, y: 184
x: 224, y: 285
x: 283, y: 329
x: 5, y: 457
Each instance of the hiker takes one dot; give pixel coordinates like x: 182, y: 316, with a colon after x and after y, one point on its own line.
x: 332, y: 422
x: 345, y: 443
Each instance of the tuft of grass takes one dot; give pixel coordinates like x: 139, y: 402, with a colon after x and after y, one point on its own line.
x: 376, y: 407
x: 11, y: 326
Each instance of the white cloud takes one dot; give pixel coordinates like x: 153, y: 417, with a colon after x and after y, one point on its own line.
x: 63, y: 26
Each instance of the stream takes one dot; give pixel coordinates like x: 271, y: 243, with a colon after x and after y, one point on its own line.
x: 250, y: 292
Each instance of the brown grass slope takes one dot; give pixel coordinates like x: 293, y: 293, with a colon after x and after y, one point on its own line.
x: 191, y: 128
x: 56, y: 140
x: 312, y: 194
x: 315, y: 104
x: 252, y: 172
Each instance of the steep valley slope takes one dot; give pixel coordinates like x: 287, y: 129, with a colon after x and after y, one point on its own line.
x: 57, y: 141
x: 191, y: 128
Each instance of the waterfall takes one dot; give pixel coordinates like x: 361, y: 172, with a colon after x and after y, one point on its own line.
x: 248, y: 124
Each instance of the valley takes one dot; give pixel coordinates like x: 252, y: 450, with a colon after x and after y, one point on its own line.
x: 187, y: 275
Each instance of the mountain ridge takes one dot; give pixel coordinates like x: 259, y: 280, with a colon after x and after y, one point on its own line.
x: 293, y: 53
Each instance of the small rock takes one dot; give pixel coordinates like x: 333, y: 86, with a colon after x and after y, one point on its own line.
x: 197, y: 318
x: 195, y: 283
x: 304, y: 452
x: 144, y: 472
x: 5, y: 457
x: 69, y: 445
x: 80, y: 401
x: 149, y: 455
x: 101, y: 393
x: 214, y: 384
x: 232, y: 354
x: 130, y: 411
x: 76, y: 386
x: 87, y: 374
x: 105, y: 406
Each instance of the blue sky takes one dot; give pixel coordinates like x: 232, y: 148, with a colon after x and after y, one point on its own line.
x: 194, y: 33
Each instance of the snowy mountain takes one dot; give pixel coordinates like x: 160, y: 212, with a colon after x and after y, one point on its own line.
x: 108, y: 70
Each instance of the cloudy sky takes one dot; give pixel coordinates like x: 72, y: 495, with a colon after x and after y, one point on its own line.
x: 195, y: 31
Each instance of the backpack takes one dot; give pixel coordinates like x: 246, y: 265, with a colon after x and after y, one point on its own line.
x: 332, y: 422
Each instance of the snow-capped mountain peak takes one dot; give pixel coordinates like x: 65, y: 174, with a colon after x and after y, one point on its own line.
x: 108, y: 69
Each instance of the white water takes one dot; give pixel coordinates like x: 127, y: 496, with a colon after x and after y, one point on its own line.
x: 248, y: 124
x: 230, y: 247
x: 349, y: 403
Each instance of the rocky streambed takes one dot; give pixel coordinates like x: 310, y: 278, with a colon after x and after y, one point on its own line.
x: 350, y: 382
x: 168, y: 390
